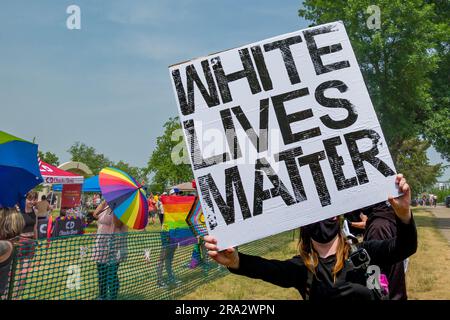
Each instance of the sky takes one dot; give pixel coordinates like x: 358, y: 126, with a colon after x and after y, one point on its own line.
x: 107, y: 84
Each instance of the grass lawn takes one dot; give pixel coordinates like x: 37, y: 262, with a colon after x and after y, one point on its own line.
x: 428, y: 274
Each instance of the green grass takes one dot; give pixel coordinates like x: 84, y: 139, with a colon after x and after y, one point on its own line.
x: 428, y: 275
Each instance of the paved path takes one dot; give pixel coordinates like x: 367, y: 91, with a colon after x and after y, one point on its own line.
x: 442, y: 215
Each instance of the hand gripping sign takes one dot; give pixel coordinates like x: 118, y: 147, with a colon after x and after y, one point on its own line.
x: 281, y: 133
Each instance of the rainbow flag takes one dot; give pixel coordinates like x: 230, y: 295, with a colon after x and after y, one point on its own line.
x: 176, y: 209
x: 196, y: 219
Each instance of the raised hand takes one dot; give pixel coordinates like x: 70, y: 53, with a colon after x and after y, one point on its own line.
x: 402, y: 203
x: 228, y: 257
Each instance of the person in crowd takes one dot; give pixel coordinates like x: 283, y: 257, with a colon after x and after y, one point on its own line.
x: 382, y: 225
x: 160, y: 211
x: 167, y: 254
x: 151, y: 209
x: 326, y: 268
x: 43, y: 208
x: 11, y: 226
x: 52, y: 198
x: 357, y: 222
x: 27, y: 240
x: 165, y: 261
x: 96, y: 200
x: 29, y: 215
x: 109, y: 251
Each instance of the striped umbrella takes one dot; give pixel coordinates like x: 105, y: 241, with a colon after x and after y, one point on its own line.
x: 126, y: 198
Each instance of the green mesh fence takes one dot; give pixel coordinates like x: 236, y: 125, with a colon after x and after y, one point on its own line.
x: 135, y: 265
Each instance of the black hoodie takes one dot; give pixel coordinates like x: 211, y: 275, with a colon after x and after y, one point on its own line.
x: 350, y: 283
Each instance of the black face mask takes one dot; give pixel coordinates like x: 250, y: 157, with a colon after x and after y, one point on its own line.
x: 323, y: 231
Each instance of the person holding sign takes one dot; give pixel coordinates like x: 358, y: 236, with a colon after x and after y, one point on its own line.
x: 325, y: 267
x: 281, y: 133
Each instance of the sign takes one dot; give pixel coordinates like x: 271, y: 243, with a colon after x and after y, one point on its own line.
x: 67, y: 227
x: 281, y: 133
x: 42, y: 227
x: 70, y: 196
x: 54, y: 175
x: 63, y: 180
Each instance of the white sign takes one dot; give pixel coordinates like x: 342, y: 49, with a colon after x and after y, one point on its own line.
x: 281, y: 133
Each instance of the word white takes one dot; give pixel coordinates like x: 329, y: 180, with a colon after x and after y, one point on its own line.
x: 73, y: 21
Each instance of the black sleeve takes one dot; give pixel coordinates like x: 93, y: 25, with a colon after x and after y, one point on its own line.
x: 387, y: 252
x: 286, y: 274
x: 380, y: 229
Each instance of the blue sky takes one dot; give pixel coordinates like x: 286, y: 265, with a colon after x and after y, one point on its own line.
x: 107, y: 85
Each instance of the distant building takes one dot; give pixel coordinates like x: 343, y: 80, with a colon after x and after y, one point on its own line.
x: 442, y: 185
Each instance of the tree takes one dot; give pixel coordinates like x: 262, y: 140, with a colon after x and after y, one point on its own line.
x: 89, y: 156
x: 169, y: 161
x: 414, y: 162
x: 97, y: 161
x: 49, y: 157
x: 398, y: 63
x: 139, y: 174
x: 405, y: 66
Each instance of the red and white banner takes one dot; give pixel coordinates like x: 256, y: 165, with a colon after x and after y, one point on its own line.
x: 54, y: 175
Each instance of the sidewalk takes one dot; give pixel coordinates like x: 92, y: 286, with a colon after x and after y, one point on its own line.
x: 442, y: 215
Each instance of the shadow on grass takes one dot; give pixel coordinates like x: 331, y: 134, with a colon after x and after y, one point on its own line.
x: 432, y: 222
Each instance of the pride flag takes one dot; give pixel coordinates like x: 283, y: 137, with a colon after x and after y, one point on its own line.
x: 176, y: 209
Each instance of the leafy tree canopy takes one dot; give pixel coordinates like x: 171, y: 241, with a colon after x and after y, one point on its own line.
x: 169, y: 161
x: 49, y: 157
x: 97, y: 161
x: 405, y: 63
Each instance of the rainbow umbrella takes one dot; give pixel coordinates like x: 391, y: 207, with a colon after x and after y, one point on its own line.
x: 126, y: 198
x: 19, y: 169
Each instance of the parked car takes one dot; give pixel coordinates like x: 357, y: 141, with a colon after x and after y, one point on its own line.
x: 447, y: 201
